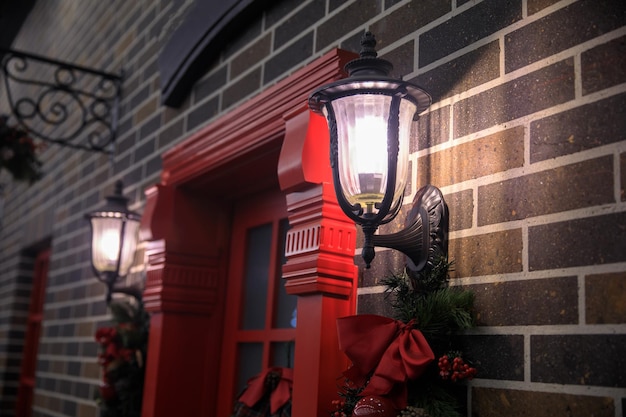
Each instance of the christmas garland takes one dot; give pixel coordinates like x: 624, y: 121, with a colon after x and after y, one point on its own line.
x: 122, y: 357
x: 424, y: 306
x: 18, y: 153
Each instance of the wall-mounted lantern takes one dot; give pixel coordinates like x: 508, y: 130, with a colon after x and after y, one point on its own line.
x: 369, y: 116
x: 114, y: 238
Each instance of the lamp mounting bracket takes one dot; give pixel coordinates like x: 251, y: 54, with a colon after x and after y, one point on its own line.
x: 425, y: 238
x: 62, y: 103
x: 110, y: 280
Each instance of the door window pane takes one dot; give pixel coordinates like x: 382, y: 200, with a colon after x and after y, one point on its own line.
x: 250, y: 360
x: 285, y: 310
x: 282, y: 354
x: 258, y: 248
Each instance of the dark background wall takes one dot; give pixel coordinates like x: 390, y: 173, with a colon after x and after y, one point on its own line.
x: 525, y: 138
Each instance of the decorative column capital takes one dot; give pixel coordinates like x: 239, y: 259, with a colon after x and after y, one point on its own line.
x: 321, y: 240
x: 183, y: 252
x: 180, y: 283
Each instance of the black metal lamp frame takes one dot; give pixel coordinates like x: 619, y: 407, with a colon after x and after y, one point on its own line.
x: 119, y: 204
x: 83, y: 101
x: 424, y: 240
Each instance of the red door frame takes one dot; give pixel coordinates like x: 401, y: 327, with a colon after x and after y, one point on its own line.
x: 268, y: 207
x: 269, y: 141
x: 33, y: 332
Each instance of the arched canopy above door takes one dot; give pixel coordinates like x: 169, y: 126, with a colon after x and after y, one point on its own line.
x: 195, y: 43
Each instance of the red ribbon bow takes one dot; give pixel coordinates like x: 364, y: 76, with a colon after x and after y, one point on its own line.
x: 394, y: 350
x: 257, y: 387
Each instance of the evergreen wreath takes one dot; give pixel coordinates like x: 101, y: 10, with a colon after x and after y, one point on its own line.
x: 18, y: 153
x: 439, y: 311
x: 122, y: 357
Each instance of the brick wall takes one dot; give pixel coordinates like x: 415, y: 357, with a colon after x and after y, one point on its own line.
x: 13, y: 314
x: 525, y: 138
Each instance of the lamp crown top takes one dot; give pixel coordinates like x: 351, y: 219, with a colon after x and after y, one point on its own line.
x: 117, y: 200
x: 368, y: 63
x: 368, y: 46
x: 119, y: 186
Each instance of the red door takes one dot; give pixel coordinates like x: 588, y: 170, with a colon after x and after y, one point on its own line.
x: 259, y: 328
x: 33, y: 331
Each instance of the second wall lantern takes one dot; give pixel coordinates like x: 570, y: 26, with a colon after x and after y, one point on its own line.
x: 114, y: 238
x: 369, y: 116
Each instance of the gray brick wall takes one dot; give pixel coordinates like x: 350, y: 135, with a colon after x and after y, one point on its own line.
x: 524, y: 137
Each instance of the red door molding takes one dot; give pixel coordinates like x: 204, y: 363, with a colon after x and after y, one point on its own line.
x: 320, y: 261
x: 253, y: 125
x: 270, y: 141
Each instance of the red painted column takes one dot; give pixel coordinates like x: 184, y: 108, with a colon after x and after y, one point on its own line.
x: 183, y: 294
x: 320, y: 266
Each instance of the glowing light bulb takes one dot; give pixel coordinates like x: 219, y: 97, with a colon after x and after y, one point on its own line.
x: 110, y: 245
x: 370, y: 148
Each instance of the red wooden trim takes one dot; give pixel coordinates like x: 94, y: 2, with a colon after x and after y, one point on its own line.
x: 184, y: 294
x: 33, y: 332
x: 252, y: 125
x: 266, y: 208
x: 320, y: 263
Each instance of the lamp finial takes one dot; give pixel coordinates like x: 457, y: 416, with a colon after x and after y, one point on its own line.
x: 368, y: 63
x: 119, y: 187
x: 368, y: 46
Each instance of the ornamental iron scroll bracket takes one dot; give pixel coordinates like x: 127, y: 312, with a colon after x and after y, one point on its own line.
x: 62, y: 103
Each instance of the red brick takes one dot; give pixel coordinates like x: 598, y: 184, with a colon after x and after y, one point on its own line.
x: 563, y: 29
x: 462, y: 30
x: 575, y: 359
x: 290, y: 57
x: 499, y: 357
x: 407, y: 19
x: 494, y: 402
x: 203, y: 113
x: 605, y: 298
x: 603, y: 66
x: 487, y: 155
x: 535, y: 6
x: 585, y: 184
x: 146, y: 110
x: 622, y: 164
x: 460, y: 206
x: 374, y: 304
x: 247, y: 59
x: 525, y: 95
x: 581, y: 128
x: 402, y: 59
x: 344, y: 21
x: 242, y: 88
x: 216, y: 81
x: 468, y: 71
x: 538, y: 302
x: 431, y: 129
x: 593, y: 240
x: 487, y: 254
x: 293, y: 26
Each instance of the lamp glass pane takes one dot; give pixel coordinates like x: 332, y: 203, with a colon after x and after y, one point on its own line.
x: 407, y: 112
x: 105, y: 245
x: 362, y: 145
x: 130, y: 246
